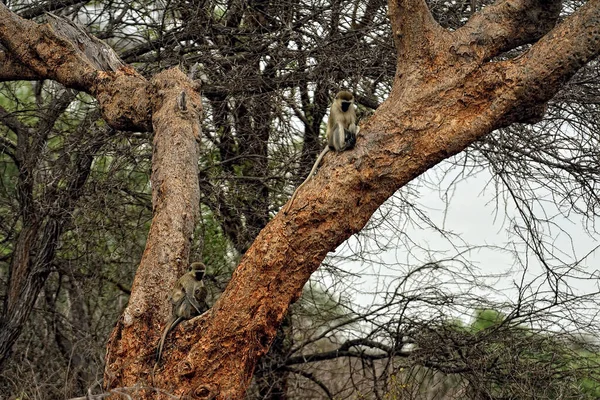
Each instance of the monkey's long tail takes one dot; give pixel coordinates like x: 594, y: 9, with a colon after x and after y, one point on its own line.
x: 312, y: 171
x: 172, y: 323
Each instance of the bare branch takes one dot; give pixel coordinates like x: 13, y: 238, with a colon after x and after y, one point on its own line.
x: 13, y: 123
x: 312, y: 378
x: 35, y: 10
x: 50, y: 55
x: 344, y: 351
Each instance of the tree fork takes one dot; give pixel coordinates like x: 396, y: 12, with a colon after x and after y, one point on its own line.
x: 427, y: 118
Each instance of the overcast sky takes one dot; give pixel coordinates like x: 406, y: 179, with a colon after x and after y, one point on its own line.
x: 471, y: 212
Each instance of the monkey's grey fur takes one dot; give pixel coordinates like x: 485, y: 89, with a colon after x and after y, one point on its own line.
x: 341, y: 132
x: 188, y: 299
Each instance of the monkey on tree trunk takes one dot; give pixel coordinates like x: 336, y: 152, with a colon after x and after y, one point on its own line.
x: 188, y: 299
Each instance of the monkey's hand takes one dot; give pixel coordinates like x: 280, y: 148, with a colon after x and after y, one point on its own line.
x: 349, y: 138
x: 197, y: 306
x: 197, y: 299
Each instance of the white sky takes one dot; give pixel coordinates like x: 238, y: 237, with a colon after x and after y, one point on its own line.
x: 471, y: 213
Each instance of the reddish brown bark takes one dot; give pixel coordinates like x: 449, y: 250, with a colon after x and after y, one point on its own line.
x: 442, y: 101
x: 447, y: 94
x: 175, y: 199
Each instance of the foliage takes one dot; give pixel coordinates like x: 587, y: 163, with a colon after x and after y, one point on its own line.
x: 492, y: 358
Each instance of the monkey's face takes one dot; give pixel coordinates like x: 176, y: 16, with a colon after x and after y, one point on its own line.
x: 198, y: 274
x: 345, y: 105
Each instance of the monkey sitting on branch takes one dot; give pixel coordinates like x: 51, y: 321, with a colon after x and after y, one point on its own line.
x: 188, y: 299
x: 341, y: 132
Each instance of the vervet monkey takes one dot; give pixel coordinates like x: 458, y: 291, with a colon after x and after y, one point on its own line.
x: 188, y: 299
x: 341, y: 132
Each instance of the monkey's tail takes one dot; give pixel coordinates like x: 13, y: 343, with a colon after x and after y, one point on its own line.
x: 312, y: 171
x: 172, y: 323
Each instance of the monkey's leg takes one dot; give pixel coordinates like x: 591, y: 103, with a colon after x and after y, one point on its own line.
x: 340, y: 138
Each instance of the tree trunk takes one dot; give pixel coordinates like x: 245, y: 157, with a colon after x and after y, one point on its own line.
x: 175, y: 200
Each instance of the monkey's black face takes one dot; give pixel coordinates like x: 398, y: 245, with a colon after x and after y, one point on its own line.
x: 198, y: 274
x: 345, y: 105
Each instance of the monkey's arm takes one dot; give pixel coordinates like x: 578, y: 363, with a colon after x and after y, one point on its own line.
x: 312, y: 171
x: 197, y: 302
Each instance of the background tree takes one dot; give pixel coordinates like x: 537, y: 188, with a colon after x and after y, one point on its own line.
x: 268, y: 71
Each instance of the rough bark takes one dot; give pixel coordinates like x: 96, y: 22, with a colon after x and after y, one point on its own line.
x: 122, y: 94
x: 175, y: 200
x: 446, y: 95
x: 442, y: 101
x: 13, y: 70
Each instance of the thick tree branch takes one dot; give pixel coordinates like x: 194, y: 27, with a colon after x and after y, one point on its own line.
x: 175, y: 201
x: 122, y: 94
x: 38, y: 47
x: 414, y: 29
x: 556, y: 57
x: 505, y: 25
x: 99, y: 54
x: 12, y: 70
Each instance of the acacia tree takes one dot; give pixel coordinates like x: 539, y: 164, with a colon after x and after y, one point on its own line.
x: 450, y: 89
